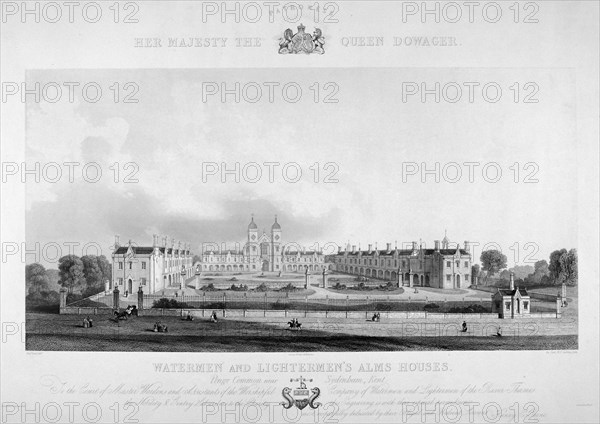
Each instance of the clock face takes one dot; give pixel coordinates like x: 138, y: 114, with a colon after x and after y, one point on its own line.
x: 253, y: 237
x: 276, y: 237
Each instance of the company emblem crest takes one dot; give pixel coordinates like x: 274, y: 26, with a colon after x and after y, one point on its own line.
x: 301, y: 396
x: 301, y: 42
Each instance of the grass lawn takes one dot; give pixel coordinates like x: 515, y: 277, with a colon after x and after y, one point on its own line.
x: 65, y: 333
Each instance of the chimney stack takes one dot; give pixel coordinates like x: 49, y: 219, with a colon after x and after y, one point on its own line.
x: 414, y: 245
x: 353, y: 248
x: 370, y: 248
x: 117, y: 244
x: 339, y: 249
x: 389, y: 247
x: 467, y: 246
x: 437, y: 245
x: 154, y: 240
x: 512, y: 281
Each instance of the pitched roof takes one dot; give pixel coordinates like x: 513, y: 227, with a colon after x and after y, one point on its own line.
x: 138, y: 250
x: 147, y: 250
x: 403, y: 252
x: 509, y: 292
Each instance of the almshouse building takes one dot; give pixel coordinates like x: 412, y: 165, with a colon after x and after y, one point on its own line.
x: 442, y: 267
x: 264, y: 252
x: 152, y: 268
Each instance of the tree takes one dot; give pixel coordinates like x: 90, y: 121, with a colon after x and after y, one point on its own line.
x: 540, y: 274
x: 105, y: 267
x: 555, y: 267
x: 91, y: 270
x: 492, y: 261
x: 475, y: 270
x: 71, y: 273
x: 96, y: 270
x: 196, y: 259
x: 568, y: 267
x: 541, y: 267
x: 505, y: 275
x: 36, y: 279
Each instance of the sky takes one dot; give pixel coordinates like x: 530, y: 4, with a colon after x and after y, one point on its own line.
x: 365, y: 138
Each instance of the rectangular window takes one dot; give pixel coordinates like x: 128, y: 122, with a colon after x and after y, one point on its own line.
x: 130, y: 265
x: 448, y: 264
x: 143, y: 281
x: 525, y: 304
x: 508, y: 306
x: 448, y: 277
x: 120, y: 281
x: 143, y: 265
x: 120, y: 265
x: 466, y: 264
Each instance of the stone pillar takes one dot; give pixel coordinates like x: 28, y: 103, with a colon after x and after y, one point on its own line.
x: 140, y: 302
x: 306, y: 278
x: 324, y: 278
x: 107, y: 287
x: 116, y: 303
x: 558, y: 307
x: 399, y: 278
x: 63, y: 298
x: 563, y: 291
x: 197, y: 282
x: 410, y: 280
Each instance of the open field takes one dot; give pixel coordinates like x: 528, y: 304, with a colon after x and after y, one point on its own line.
x: 65, y: 332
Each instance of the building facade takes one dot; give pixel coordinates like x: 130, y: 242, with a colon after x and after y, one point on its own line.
x: 442, y: 267
x: 511, y: 303
x: 262, y: 252
x: 152, y: 268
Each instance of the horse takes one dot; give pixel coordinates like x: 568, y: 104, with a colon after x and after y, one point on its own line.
x: 130, y: 310
x: 121, y: 314
x: 294, y: 324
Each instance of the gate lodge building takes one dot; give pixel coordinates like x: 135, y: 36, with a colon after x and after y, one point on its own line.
x: 442, y: 267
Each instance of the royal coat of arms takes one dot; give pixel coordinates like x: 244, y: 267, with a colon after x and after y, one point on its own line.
x: 301, y: 42
x: 301, y: 396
